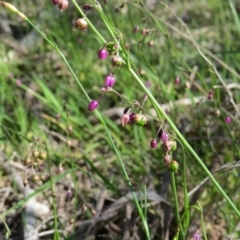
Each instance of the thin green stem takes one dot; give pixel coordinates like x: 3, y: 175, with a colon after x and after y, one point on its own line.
x: 175, y: 197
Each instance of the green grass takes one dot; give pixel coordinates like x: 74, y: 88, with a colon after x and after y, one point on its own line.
x: 48, y: 88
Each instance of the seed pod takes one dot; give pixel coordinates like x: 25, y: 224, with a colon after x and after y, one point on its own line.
x: 81, y: 24
x: 25, y: 182
x: 140, y: 120
x: 35, y: 154
x: 39, y: 161
x: 28, y: 161
x: 42, y: 155
x: 151, y: 43
x: 173, y: 166
x: 117, y: 61
x: 111, y: 47
x: 36, y: 178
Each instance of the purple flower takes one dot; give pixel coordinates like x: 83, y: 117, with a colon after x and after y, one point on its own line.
x: 102, y: 54
x: 109, y: 81
x: 196, y: 236
x: 153, y: 143
x: 164, y: 137
x: 228, y: 120
x: 92, y: 105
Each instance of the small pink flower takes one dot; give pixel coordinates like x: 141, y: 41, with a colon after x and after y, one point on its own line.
x: 228, y: 120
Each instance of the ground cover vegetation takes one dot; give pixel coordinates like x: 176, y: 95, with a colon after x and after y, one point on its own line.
x: 119, y: 119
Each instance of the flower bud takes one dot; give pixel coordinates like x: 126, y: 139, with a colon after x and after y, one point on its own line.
x: 125, y: 119
x: 109, y: 81
x: 228, y: 120
x: 87, y: 7
x: 173, y: 166
x: 55, y: 2
x: 81, y: 24
x: 136, y: 29
x: 196, y: 236
x: 35, y: 154
x: 144, y: 31
x: 36, y: 178
x: 140, y: 120
x: 69, y: 129
x: 210, y: 95
x: 177, y: 80
x: 218, y: 113
x: 42, y: 155
x: 25, y: 182
x: 92, y: 105
x: 164, y: 137
x: 151, y: 43
x: 112, y: 47
x: 174, y: 145
x: 153, y: 143
x: 131, y: 118
x: 62, y: 5
x: 28, y: 161
x: 60, y: 170
x: 117, y: 61
x: 102, y: 54
x: 166, y: 159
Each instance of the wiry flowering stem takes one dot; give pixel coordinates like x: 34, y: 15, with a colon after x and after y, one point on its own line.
x: 161, y: 114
